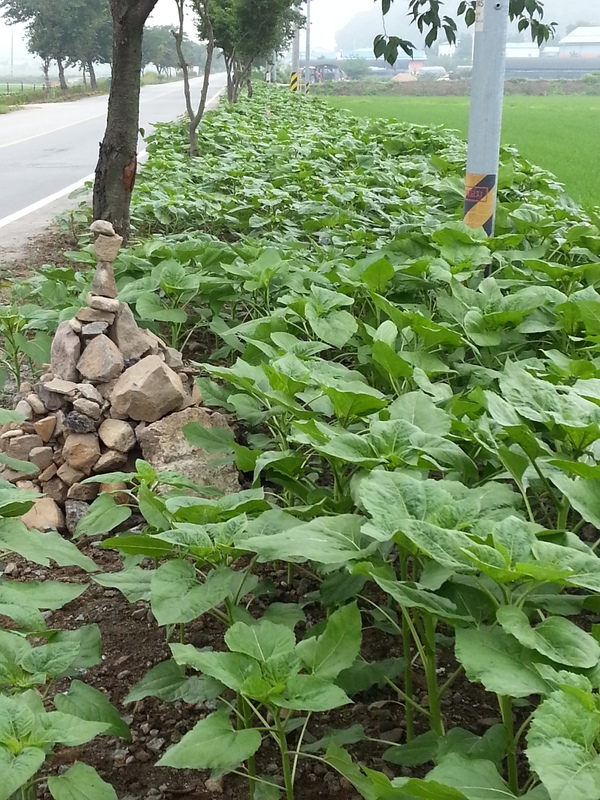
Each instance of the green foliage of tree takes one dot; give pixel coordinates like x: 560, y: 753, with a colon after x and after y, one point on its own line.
x: 159, y: 49
x: 247, y: 30
x: 428, y: 17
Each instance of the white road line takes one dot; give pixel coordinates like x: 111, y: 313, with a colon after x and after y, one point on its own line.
x: 24, y: 212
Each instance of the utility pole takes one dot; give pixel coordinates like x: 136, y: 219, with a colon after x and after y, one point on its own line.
x: 274, y: 67
x: 307, y: 66
x: 295, y: 60
x: 485, y: 123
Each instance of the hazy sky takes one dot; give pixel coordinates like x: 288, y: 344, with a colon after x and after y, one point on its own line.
x: 328, y: 16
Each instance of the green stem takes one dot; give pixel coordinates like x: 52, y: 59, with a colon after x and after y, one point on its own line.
x: 506, y: 710
x: 246, y: 712
x: 408, y: 676
x: 285, y: 757
x: 430, y: 664
x: 563, y: 515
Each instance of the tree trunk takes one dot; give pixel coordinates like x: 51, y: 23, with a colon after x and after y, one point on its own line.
x: 116, y: 168
x: 46, y: 68
x: 84, y: 74
x: 249, y: 86
x: 64, y: 89
x: 92, y: 73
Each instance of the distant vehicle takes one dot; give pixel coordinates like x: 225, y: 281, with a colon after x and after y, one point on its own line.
x: 433, y: 74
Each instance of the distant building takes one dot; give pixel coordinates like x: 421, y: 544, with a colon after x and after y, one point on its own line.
x: 584, y: 41
x: 522, y: 50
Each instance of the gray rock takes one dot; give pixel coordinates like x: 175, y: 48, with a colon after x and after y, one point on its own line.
x: 166, y: 448
x: 41, y: 457
x: 36, y: 404
x: 71, y: 477
x: 65, y: 352
x: 24, y: 409
x: 131, y: 340
x: 94, y: 328
x: 87, y: 407
x: 76, y: 422
x: 101, y: 360
x: 87, y: 492
x: 75, y: 511
x: 110, y: 461
x: 173, y: 358
x: 21, y: 446
x: 147, y: 391
x: 93, y: 315
x: 56, y: 489
x: 60, y: 386
x: 89, y: 392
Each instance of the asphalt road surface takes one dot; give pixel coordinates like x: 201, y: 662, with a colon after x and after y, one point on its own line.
x: 45, y: 150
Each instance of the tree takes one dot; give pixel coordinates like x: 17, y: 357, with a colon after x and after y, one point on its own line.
x: 425, y: 14
x: 159, y: 48
x: 202, y: 9
x: 247, y: 30
x: 117, y: 163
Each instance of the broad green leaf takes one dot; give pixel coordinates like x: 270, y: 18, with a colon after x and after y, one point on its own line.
x: 41, y: 548
x: 561, y: 746
x: 419, y: 751
x: 337, y: 647
x: 168, y: 682
x: 71, y: 730
x: 212, y: 744
x: 13, y: 501
x: 476, y: 779
x: 582, y: 494
x: 47, y: 594
x: 362, y: 675
x: 178, y: 596
x: 420, y: 410
x: 80, y: 782
x: 412, y: 595
x: 231, y: 669
x: 261, y: 641
x: 134, y: 582
x: 555, y: 637
x: 496, y: 660
x: 87, y: 703
x: 104, y: 516
x: 311, y: 693
x: 17, y: 770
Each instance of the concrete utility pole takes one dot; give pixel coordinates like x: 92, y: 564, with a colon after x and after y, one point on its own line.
x: 485, y: 123
x: 295, y: 60
x: 307, y: 66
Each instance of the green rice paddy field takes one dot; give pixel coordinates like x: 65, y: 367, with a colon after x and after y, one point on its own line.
x: 560, y: 133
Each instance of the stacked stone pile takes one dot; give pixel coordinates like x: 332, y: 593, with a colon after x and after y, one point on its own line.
x: 112, y: 393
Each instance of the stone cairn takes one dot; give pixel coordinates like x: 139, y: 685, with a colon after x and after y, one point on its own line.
x: 110, y: 395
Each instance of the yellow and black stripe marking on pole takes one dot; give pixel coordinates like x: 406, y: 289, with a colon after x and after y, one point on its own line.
x: 480, y: 202
x: 294, y: 81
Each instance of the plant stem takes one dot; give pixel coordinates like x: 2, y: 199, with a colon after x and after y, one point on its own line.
x: 285, y: 756
x: 430, y: 664
x: 506, y: 710
x: 408, y: 677
x: 246, y: 712
x: 563, y: 515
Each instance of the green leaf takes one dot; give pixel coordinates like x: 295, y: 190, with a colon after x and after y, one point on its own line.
x: 337, y: 647
x: 104, y: 516
x: 582, y: 494
x: 419, y: 751
x: 168, y: 682
x: 48, y: 594
x: 213, y: 439
x: 336, y: 328
x: 231, y: 669
x: 178, y: 596
x: 420, y: 410
x: 25, y: 467
x: 80, y: 782
x: 351, y: 735
x: 212, y: 744
x: 134, y: 582
x: 261, y: 641
x: 41, y: 548
x: 15, y: 502
x: 496, y: 660
x: 87, y: 703
x: 561, y: 746
x: 17, y: 770
x: 410, y: 595
x: 71, y: 730
x: 311, y: 693
x: 476, y: 779
x: 555, y: 637
x: 362, y: 675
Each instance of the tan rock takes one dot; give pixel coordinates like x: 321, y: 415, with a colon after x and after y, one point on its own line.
x: 76, y: 325
x: 60, y: 423
x: 107, y: 248
x: 89, y: 392
x: 87, y: 492
x: 65, y: 352
x: 27, y: 486
x: 102, y: 303
x: 147, y: 391
x: 48, y: 473
x: 173, y: 358
x: 62, y: 387
x: 93, y: 315
x: 58, y: 457
x: 56, y: 489
x: 158, y: 346
x: 41, y: 457
x: 118, y: 492
x: 45, y: 515
x: 81, y: 451
x: 102, y: 226
x: 131, y: 340
x: 109, y: 461
x: 69, y: 475
x: 105, y: 389
x: 117, y: 435
x: 12, y: 476
x: 36, y: 404
x: 87, y: 407
x: 26, y: 387
x: 101, y: 360
x: 21, y: 446
x: 197, y: 397
x: 166, y: 448
x: 104, y: 283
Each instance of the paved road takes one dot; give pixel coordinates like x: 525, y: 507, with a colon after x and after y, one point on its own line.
x: 45, y: 149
